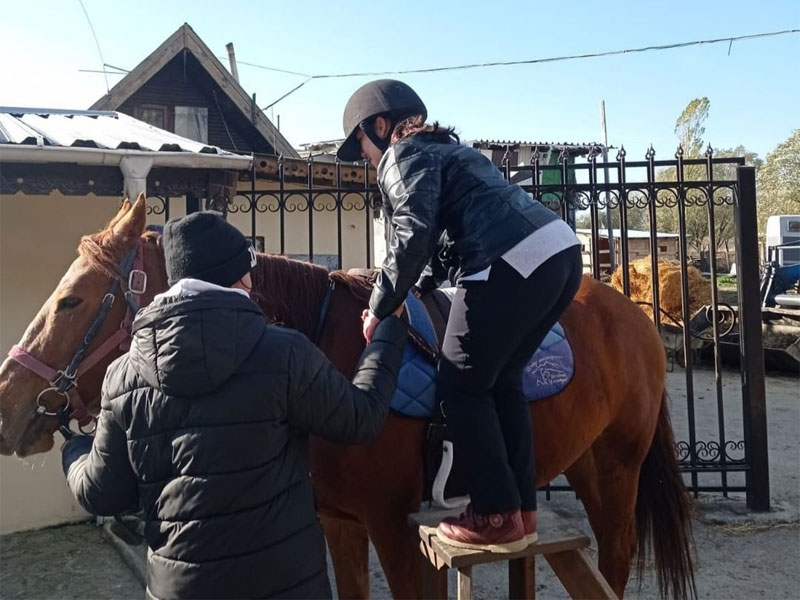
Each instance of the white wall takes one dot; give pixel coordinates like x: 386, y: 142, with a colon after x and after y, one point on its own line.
x: 38, y: 239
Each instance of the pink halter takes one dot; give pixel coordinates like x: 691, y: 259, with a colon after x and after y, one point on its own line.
x: 133, y: 281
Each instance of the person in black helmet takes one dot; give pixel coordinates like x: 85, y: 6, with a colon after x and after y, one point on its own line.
x: 516, y: 267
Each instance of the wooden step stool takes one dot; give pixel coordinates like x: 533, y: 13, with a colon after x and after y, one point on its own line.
x: 563, y: 546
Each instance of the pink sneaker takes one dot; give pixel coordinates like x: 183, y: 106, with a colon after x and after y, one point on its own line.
x: 501, y: 532
x: 529, y: 524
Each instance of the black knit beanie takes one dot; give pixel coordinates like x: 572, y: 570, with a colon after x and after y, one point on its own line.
x: 205, y: 246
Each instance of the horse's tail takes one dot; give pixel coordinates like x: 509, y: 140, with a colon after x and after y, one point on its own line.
x: 663, y: 515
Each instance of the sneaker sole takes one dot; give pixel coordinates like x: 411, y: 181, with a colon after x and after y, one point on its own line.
x: 531, y: 538
x: 507, y: 548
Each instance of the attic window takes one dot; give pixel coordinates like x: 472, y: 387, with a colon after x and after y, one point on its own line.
x: 192, y: 122
x: 153, y: 115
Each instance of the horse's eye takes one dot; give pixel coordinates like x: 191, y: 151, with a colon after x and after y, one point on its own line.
x: 67, y: 303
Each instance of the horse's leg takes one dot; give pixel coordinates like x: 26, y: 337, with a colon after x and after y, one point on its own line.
x: 349, y: 548
x: 397, y: 546
x: 618, y: 463
x: 584, y: 479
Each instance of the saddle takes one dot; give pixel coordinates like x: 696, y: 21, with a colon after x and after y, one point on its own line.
x: 549, y: 371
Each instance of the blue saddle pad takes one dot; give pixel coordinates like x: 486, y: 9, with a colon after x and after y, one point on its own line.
x: 547, y: 373
x: 550, y: 368
x: 416, y: 381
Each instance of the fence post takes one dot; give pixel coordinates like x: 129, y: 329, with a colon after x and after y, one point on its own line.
x: 751, y: 349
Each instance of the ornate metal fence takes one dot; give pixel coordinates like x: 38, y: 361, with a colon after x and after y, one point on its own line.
x: 703, y: 198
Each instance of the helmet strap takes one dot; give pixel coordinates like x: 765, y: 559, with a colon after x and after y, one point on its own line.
x: 368, y: 127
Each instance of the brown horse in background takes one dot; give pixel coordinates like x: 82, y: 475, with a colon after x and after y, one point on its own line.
x: 609, y: 430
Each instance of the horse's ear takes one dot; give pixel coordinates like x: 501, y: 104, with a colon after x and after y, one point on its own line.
x: 131, y: 221
x: 123, y: 209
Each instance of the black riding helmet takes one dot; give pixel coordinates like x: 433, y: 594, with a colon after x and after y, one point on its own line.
x: 389, y: 97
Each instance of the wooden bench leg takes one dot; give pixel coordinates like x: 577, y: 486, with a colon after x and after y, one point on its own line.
x: 577, y: 573
x: 434, y: 576
x: 465, y: 583
x: 522, y: 578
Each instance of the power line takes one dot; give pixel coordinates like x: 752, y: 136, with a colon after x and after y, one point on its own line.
x: 563, y: 58
x: 266, y: 68
x: 291, y: 91
x: 729, y: 40
x: 97, y: 42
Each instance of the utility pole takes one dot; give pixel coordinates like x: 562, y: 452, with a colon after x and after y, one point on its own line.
x: 609, y: 225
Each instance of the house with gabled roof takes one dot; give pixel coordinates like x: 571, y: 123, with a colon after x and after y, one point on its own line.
x: 183, y: 88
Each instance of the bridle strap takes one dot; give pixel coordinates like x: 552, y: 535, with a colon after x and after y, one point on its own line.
x: 30, y: 362
x: 323, y: 311
x: 132, y: 279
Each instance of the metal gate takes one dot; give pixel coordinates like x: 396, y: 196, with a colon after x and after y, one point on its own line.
x: 722, y: 443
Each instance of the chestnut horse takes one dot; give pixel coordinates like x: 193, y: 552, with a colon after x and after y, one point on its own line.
x: 609, y: 430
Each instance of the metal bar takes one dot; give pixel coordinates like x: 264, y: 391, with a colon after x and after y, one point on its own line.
x: 750, y: 343
x: 623, y: 223
x: 282, y: 202
x: 714, y: 467
x: 535, y: 174
x: 712, y: 242
x: 564, y: 191
x: 310, y: 205
x: 651, y: 197
x: 253, y: 210
x: 367, y: 209
x: 339, y: 214
x: 594, y: 215
x: 166, y: 209
x: 687, y: 340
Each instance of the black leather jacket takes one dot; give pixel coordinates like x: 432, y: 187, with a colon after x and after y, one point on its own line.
x: 449, y: 208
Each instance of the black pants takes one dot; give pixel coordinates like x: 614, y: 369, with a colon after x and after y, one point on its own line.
x: 494, y: 328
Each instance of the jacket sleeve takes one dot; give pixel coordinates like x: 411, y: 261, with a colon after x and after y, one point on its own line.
x: 411, y: 179
x: 324, y: 402
x: 434, y: 274
x: 100, y: 476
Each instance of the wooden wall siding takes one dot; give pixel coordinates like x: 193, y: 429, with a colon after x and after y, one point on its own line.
x: 183, y: 82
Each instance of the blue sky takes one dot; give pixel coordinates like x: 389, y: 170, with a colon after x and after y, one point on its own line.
x: 754, y: 91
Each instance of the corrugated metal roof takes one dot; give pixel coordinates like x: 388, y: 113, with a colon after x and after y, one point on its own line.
x: 91, y: 129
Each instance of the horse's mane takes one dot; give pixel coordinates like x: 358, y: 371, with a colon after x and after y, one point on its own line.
x: 104, y: 250
x: 290, y: 292
x: 358, y: 281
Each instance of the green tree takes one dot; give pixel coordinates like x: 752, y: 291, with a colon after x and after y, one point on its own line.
x: 778, y: 181
x: 690, y: 126
x: 689, y: 129
x: 724, y: 226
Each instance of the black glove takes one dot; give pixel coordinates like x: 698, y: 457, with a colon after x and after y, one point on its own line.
x: 74, y: 448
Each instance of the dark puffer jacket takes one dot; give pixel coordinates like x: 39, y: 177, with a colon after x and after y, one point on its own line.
x: 204, y: 424
x: 450, y: 208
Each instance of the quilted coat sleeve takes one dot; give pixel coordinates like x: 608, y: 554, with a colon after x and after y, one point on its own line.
x: 324, y: 402
x: 411, y: 179
x: 102, y: 480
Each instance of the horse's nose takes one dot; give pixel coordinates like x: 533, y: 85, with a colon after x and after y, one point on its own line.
x: 6, y: 447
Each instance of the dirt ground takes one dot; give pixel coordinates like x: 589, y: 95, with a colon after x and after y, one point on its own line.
x: 739, y: 554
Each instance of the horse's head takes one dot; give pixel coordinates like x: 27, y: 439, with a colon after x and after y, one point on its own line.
x: 57, y: 333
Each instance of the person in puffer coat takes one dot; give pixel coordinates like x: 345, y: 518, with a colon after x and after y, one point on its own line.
x: 204, y: 424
